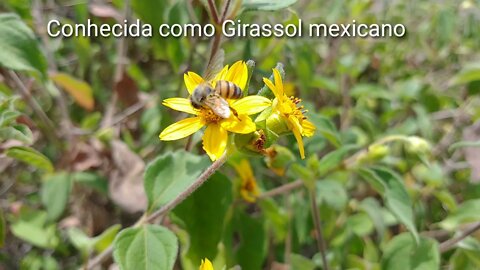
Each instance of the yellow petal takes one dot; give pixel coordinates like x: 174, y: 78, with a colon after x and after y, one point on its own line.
x: 215, y: 141
x: 238, y: 74
x: 297, y: 132
x: 244, y: 170
x: 248, y: 196
x: 308, y: 128
x: 251, y: 104
x: 181, y: 129
x: 278, y: 81
x: 299, y: 139
x: 221, y: 75
x: 294, y: 124
x: 192, y: 79
x: 180, y: 104
x: 239, y: 124
x: 276, y: 92
x: 206, y: 265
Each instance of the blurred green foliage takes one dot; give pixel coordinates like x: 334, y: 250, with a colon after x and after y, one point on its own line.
x: 393, y: 166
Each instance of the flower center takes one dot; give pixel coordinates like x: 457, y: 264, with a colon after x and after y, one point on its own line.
x: 298, y: 111
x: 209, y: 116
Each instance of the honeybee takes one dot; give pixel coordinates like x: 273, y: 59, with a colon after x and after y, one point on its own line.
x: 214, y: 98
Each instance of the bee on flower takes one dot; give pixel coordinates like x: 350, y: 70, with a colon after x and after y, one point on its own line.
x: 218, y: 105
x: 287, y: 115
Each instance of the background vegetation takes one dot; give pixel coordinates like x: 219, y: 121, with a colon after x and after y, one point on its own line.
x: 392, y: 173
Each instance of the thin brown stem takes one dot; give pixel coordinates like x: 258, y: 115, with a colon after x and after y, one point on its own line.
x: 225, y: 10
x: 122, y: 48
x: 450, y: 243
x: 194, y: 186
x: 152, y: 218
x: 49, y: 127
x: 60, y: 98
x: 213, y: 11
x: 281, y: 189
x: 321, y: 245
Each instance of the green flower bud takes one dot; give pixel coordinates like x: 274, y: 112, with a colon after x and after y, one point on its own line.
x: 278, y: 158
x: 278, y: 124
x: 374, y: 153
x: 251, y: 144
x: 104, y: 134
x: 417, y: 145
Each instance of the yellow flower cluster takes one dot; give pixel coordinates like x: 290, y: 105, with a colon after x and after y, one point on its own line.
x: 215, y: 137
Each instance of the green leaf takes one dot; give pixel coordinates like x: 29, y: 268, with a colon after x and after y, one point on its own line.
x: 468, y: 211
x: 360, y: 224
x: 462, y: 261
x: 203, y: 215
x: 20, y: 50
x: 8, y: 116
x: 299, y: 262
x: 468, y: 74
x: 374, y: 211
x: 151, y: 12
x: 3, y: 229
x: 252, y: 248
x: 85, y: 244
x: 275, y: 217
x: 55, y: 192
x: 34, y: 230
x: 150, y: 247
x: 266, y: 4
x: 402, y: 253
x: 31, y: 157
x: 395, y: 195
x: 103, y: 241
x: 169, y: 175
x: 16, y: 132
x: 333, y: 159
x: 332, y: 193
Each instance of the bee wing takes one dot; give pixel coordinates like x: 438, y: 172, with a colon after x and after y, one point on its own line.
x: 215, y: 65
x: 218, y: 105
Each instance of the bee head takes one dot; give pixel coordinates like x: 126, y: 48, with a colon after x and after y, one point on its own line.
x: 199, y: 94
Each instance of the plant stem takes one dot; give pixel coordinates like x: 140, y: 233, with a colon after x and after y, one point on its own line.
x: 150, y: 219
x: 322, y: 247
x: 194, y: 186
x: 281, y: 189
x: 450, y: 243
x: 49, y: 128
x: 213, y: 11
x: 225, y: 11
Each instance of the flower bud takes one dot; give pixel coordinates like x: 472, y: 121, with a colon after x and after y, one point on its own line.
x: 276, y: 123
x: 278, y: 158
x: 417, y: 145
x: 251, y: 144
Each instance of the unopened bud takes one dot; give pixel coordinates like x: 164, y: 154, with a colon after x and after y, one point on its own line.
x: 417, y: 145
x: 278, y: 158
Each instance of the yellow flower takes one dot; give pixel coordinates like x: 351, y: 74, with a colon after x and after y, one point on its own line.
x: 216, y: 133
x: 286, y: 108
x: 206, y: 265
x: 248, y: 189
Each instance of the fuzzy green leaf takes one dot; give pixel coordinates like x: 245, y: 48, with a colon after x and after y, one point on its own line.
x: 150, y: 247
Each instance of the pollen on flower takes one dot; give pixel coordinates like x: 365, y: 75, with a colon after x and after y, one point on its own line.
x: 209, y: 116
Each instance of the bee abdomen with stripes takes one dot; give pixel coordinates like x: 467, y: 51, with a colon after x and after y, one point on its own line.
x: 228, y: 89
